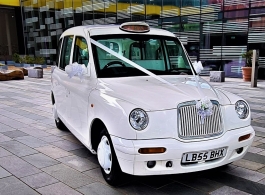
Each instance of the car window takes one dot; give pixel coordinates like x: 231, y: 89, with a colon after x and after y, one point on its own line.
x: 146, y: 53
x: 176, y: 55
x: 58, y: 51
x: 66, y: 52
x: 81, y: 55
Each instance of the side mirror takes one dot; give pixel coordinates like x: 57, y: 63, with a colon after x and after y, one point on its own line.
x: 197, y: 66
x: 76, y: 69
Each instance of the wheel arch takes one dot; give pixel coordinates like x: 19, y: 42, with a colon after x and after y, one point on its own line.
x: 95, y: 130
x: 52, y: 98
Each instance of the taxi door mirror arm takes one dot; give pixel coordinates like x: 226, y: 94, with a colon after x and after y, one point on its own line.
x: 88, y: 69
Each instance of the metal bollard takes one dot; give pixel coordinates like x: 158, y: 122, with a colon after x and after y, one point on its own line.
x: 254, y: 73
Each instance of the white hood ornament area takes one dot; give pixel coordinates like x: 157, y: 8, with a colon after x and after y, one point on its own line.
x: 204, y: 106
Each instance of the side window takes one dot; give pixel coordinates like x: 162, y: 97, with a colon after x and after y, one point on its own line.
x: 58, y: 51
x: 66, y: 52
x: 81, y: 55
x: 176, y: 55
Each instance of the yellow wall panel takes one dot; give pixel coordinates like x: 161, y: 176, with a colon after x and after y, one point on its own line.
x: 10, y: 2
x: 153, y: 10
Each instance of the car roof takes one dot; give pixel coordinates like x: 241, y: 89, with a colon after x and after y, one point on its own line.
x: 109, y: 30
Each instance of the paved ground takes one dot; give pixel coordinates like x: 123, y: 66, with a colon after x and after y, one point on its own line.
x: 37, y: 158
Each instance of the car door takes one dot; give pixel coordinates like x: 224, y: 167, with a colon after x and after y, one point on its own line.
x: 60, y: 78
x: 55, y: 79
x: 80, y: 89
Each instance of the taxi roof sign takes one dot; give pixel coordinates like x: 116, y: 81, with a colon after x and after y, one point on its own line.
x: 137, y: 27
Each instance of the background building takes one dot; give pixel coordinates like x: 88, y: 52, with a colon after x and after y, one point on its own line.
x: 215, y: 31
x: 10, y: 22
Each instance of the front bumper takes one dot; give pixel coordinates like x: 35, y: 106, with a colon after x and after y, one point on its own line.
x: 133, y: 163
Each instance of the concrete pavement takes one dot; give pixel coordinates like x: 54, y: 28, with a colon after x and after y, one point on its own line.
x: 37, y: 158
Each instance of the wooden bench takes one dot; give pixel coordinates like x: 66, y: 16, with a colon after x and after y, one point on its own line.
x: 11, y: 74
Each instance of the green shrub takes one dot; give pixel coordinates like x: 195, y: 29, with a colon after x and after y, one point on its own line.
x: 16, y: 58
x: 39, y: 60
x: 248, y: 56
x: 28, y: 60
x: 23, y: 60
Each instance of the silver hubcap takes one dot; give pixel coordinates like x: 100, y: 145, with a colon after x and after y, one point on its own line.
x: 104, y: 154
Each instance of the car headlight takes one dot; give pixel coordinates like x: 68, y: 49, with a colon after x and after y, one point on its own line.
x: 242, y: 109
x: 138, y: 119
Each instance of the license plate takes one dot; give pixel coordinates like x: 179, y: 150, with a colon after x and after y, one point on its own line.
x: 203, y: 155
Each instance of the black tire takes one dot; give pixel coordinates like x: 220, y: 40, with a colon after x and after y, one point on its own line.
x: 115, y: 176
x: 60, y: 125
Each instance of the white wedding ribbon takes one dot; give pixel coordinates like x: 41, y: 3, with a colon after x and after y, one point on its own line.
x: 202, y: 111
x: 76, y: 69
x: 136, y: 65
x: 204, y: 108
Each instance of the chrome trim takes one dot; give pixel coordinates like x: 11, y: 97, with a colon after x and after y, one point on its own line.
x: 192, y: 129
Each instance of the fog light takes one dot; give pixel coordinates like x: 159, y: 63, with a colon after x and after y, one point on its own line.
x: 244, y: 137
x: 151, y: 164
x: 151, y: 150
x: 169, y: 164
x: 239, y: 150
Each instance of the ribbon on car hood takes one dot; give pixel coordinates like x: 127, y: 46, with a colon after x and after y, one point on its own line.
x: 135, y: 65
x: 204, y: 105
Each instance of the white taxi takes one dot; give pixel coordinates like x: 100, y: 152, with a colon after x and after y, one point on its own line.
x: 131, y: 95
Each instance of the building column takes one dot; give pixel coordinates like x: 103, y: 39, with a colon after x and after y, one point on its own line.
x: 8, y: 35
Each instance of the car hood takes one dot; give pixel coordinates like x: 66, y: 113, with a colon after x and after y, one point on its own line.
x: 150, y: 94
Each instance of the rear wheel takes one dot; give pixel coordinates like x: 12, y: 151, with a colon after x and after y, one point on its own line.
x: 108, y: 161
x: 59, y: 124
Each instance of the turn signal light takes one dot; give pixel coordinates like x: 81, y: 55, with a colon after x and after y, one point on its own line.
x: 244, y: 137
x: 151, y: 150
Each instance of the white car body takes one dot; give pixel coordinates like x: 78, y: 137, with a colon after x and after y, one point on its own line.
x: 80, y: 102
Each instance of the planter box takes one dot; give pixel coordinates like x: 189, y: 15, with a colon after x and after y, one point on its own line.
x: 12, y: 63
x: 40, y: 65
x: 217, y: 76
x: 5, y: 67
x: 36, y: 72
x: 19, y: 65
x: 246, y: 71
x: 27, y: 65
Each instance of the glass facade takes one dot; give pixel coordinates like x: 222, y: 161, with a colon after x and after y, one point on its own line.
x: 8, y: 33
x: 216, y: 32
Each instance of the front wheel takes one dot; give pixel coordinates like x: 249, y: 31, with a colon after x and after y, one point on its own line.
x: 108, y: 161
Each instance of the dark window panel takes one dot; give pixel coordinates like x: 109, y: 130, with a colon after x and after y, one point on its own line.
x: 256, y: 11
x: 236, y: 14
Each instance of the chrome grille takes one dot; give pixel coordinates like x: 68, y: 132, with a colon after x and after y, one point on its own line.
x: 189, y: 125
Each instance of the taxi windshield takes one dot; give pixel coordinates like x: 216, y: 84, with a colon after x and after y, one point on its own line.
x: 160, y: 55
